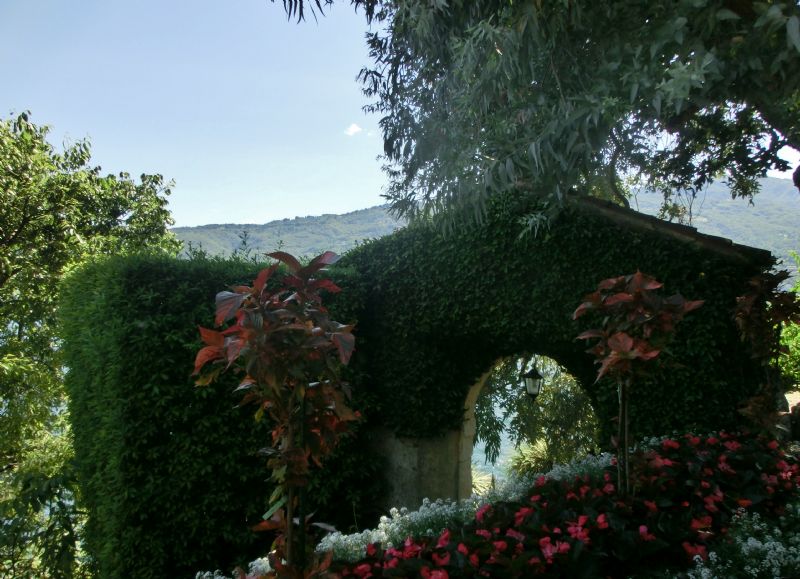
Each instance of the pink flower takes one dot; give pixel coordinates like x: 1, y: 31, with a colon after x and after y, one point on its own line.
x: 668, y: 443
x: 577, y: 531
x: 479, y: 514
x: 500, y: 546
x: 602, y: 521
x: 645, y: 535
x: 483, y: 533
x: 772, y: 445
x: 473, y: 560
x: 462, y: 548
x: 608, y: 489
x: 516, y: 535
x: 550, y: 549
x: 444, y: 539
x: 732, y: 445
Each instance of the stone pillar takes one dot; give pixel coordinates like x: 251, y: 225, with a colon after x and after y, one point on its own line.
x: 432, y: 468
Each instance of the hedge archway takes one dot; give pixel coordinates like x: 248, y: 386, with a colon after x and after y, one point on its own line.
x: 437, y: 309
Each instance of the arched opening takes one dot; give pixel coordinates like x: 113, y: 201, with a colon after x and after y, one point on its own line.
x: 515, y: 433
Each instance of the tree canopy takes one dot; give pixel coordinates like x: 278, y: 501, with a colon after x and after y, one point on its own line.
x: 55, y: 210
x: 574, y: 95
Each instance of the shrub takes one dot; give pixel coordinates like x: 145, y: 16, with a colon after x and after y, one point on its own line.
x: 687, y: 491
x: 755, y: 547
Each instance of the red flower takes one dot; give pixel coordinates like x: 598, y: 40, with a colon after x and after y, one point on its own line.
x: 521, y: 515
x: 462, y: 548
x: 516, y: 535
x: 411, y: 549
x: 426, y: 573
x: 668, y: 443
x: 602, y: 521
x: 441, y: 560
x: 444, y: 539
x: 483, y: 533
x: 651, y: 506
x: 744, y: 502
x: 772, y: 445
x: 695, y: 550
x: 732, y: 445
x: 701, y: 523
x: 479, y: 514
x: 363, y: 571
x: 371, y: 550
x: 391, y: 563
x: 500, y: 546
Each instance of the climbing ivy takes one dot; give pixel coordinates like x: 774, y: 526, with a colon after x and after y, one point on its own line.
x: 440, y: 307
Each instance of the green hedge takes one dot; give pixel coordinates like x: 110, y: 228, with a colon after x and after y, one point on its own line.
x: 168, y: 471
x: 441, y: 308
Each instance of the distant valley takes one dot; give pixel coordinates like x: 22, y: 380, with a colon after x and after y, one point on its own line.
x: 772, y: 222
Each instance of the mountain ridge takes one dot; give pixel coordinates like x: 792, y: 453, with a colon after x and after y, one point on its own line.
x: 771, y: 222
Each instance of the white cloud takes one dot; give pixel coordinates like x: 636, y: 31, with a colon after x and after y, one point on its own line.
x: 352, y: 130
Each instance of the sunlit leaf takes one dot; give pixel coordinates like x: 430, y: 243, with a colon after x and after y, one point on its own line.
x: 227, y: 305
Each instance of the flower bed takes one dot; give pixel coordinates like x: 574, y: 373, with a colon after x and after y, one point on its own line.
x: 687, y: 490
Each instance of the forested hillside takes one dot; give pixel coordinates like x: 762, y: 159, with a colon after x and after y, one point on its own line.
x: 771, y: 222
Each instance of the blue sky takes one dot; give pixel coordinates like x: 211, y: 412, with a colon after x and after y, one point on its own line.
x: 254, y: 117
x: 247, y: 112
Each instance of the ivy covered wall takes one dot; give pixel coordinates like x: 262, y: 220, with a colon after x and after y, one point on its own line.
x: 441, y: 308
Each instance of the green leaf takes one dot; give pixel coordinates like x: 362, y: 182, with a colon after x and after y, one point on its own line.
x: 274, y: 508
x: 793, y: 32
x: 726, y: 14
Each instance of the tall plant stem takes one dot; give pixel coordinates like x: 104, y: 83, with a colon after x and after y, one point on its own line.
x: 623, y: 442
x: 620, y: 436
x: 290, y: 494
x: 626, y: 438
x: 301, y: 504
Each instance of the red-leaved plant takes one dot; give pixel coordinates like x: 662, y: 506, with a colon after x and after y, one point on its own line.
x: 290, y: 352
x: 637, y: 324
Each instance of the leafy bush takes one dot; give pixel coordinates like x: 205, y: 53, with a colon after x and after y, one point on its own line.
x: 755, y: 547
x: 687, y: 491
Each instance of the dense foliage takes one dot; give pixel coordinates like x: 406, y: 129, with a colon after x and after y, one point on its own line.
x: 169, y: 472
x: 55, y: 210
x: 495, y: 294
x: 688, y: 490
x: 558, y: 427
x: 290, y: 353
x: 540, y: 97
